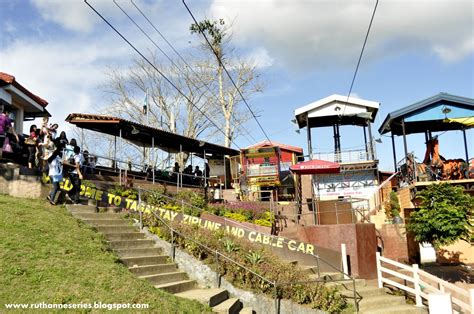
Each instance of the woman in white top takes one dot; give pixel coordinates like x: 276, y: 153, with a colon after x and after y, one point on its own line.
x: 55, y: 174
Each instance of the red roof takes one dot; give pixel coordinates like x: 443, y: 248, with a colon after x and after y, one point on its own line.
x: 316, y: 166
x: 266, y: 143
x: 7, y: 79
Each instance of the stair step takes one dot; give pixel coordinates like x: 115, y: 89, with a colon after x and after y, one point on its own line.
x: 139, y: 252
x: 153, y: 269
x: 380, y: 302
x: 125, y: 236
x: 159, y: 279
x: 398, y: 309
x: 210, y: 297
x: 229, y: 306
x: 144, y: 260
x: 107, y: 222
x: 363, y: 291
x: 247, y: 310
x: 85, y: 215
x: 347, y: 285
x: 81, y: 208
x: 310, y: 269
x: 131, y: 244
x: 176, y: 287
x: 116, y: 229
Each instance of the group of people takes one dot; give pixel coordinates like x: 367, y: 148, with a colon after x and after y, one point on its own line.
x: 191, y: 176
x: 57, y: 156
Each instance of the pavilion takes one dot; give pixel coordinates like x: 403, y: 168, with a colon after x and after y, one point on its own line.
x: 440, y: 113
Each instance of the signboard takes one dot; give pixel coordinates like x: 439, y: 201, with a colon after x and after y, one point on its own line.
x: 356, y: 184
x: 214, y: 224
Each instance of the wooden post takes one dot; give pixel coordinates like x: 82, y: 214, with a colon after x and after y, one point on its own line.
x: 308, y: 132
x: 365, y: 141
x: 379, y: 271
x: 345, y: 267
x: 465, y: 145
x: 394, y: 154
x: 471, y: 299
x: 371, y: 142
x: 416, y: 283
x: 404, y: 139
x: 440, y: 303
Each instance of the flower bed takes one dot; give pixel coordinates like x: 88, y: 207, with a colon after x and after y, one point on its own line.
x: 257, y: 258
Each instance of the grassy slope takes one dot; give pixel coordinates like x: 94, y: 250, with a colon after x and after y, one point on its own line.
x: 46, y: 255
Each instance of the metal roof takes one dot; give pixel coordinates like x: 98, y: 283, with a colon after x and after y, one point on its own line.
x: 142, y: 135
x: 427, y: 115
x: 266, y: 143
x: 319, y: 115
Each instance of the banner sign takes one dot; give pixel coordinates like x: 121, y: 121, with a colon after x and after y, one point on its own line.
x: 229, y: 227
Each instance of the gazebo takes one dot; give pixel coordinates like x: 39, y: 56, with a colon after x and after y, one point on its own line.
x: 440, y: 113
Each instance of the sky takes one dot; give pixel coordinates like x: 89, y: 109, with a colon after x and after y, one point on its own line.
x: 304, y: 50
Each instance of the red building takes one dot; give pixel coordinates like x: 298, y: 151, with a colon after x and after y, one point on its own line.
x: 266, y: 167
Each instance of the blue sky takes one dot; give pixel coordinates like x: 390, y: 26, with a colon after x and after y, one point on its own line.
x: 306, y: 50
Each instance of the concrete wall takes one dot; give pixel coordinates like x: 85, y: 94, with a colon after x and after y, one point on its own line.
x: 395, y: 242
x: 206, y: 277
x: 24, y: 186
x: 360, y: 242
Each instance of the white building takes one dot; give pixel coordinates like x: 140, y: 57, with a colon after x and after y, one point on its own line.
x: 23, y: 104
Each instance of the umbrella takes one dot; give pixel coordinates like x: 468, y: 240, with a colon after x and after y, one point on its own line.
x: 316, y: 166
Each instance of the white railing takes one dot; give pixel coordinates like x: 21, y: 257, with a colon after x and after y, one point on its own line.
x: 422, y: 284
x: 345, y: 156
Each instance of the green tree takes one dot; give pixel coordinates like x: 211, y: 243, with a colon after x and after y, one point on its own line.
x: 444, y: 215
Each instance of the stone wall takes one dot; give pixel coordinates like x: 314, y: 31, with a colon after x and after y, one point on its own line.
x: 19, y: 185
x: 206, y: 277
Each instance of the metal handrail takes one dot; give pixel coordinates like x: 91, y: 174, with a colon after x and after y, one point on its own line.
x: 275, y: 284
x: 316, y: 257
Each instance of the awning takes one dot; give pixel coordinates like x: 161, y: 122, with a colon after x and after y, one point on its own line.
x: 469, y: 122
x: 143, y: 135
x: 316, y: 166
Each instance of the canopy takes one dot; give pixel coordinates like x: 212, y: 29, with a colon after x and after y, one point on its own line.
x: 441, y: 112
x: 316, y: 166
x: 469, y: 122
x: 146, y: 136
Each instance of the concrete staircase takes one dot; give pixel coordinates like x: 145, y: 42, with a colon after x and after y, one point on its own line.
x: 372, y: 299
x: 150, y: 263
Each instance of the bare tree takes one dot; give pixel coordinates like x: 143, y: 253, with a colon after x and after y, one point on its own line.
x: 243, y: 71
x: 169, y: 109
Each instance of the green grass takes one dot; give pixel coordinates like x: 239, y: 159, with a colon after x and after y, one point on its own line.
x: 48, y: 256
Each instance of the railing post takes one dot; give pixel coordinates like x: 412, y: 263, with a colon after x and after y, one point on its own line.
x: 317, y: 265
x: 471, y: 299
x: 356, y: 304
x: 440, y: 303
x: 345, y: 267
x: 379, y: 270
x: 140, y: 208
x: 277, y: 304
x: 172, y: 246
x: 416, y: 282
x: 217, y: 270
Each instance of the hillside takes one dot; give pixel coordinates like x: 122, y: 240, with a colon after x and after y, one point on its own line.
x: 48, y: 256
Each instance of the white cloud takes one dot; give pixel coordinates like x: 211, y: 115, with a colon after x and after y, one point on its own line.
x: 327, y: 33
x: 73, y: 15
x: 65, y: 73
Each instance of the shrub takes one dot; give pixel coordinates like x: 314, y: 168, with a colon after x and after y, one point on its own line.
x: 124, y: 192
x: 444, y: 214
x: 263, y: 222
x: 260, y: 260
x: 236, y: 216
